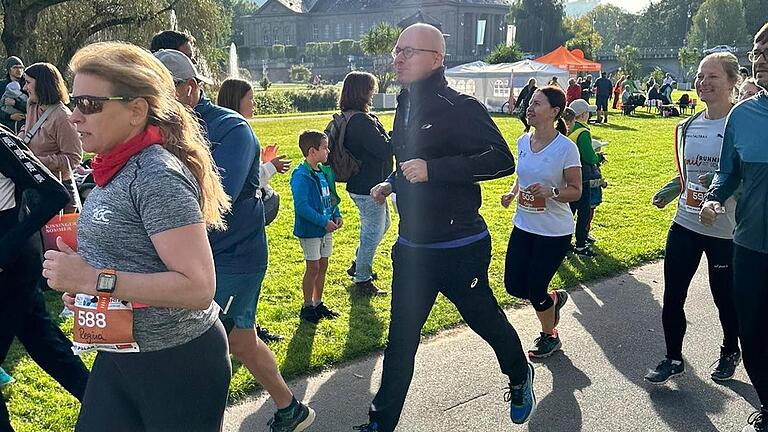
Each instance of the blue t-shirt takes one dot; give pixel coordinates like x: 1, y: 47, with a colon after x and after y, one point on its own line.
x: 604, y: 87
x: 325, y: 193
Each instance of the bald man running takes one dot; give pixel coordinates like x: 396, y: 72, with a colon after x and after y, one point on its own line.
x: 445, y: 143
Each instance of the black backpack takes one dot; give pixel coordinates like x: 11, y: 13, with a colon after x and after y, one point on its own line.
x: 343, y: 164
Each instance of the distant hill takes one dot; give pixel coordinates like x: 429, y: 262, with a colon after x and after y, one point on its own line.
x: 575, y: 8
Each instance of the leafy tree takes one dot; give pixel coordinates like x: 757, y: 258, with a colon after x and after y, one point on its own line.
x: 613, y: 24
x: 689, y: 59
x: 53, y: 30
x: 664, y: 23
x: 755, y: 14
x: 504, y: 54
x: 539, y: 24
x: 582, y: 34
x: 718, y: 22
x: 378, y: 43
x: 628, y: 60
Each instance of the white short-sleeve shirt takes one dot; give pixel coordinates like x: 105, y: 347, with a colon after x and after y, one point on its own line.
x: 545, y: 167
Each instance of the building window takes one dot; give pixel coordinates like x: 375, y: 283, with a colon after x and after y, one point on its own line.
x: 327, y: 32
x: 276, y: 36
x: 315, y: 32
x: 349, y: 30
x: 362, y: 28
x: 287, y: 36
x: 338, y: 31
x: 266, y: 38
x: 501, y: 88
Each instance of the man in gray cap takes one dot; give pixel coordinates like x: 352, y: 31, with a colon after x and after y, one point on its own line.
x: 240, y: 252
x: 14, y: 69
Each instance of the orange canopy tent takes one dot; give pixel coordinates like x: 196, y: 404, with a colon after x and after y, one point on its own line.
x: 564, y: 59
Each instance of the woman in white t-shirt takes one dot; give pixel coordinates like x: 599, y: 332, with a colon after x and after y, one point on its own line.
x: 699, y: 141
x: 548, y: 178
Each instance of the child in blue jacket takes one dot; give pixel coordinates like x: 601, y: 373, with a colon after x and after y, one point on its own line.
x: 316, y: 217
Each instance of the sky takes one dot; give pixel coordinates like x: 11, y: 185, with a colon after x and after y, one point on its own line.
x: 630, y: 5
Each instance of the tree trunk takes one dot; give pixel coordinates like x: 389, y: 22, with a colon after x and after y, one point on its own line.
x: 19, y: 20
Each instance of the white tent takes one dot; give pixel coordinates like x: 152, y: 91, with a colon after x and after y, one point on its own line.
x: 490, y: 83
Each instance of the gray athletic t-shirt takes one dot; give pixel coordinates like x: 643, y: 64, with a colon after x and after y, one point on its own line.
x: 153, y: 193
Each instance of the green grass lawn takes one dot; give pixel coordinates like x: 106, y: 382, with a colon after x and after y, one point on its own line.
x: 630, y: 232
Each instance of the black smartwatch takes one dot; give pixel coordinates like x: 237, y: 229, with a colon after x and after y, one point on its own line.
x: 106, y: 282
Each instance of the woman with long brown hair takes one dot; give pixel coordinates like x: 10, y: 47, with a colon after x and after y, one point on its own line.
x: 48, y: 131
x: 142, y: 239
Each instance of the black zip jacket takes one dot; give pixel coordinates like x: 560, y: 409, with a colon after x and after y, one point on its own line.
x: 462, y: 146
x: 19, y: 167
x: 369, y: 143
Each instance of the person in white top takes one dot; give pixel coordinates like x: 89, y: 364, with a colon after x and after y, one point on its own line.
x: 699, y: 142
x: 548, y: 178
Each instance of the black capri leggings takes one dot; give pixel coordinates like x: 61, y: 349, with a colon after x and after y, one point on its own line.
x: 531, y: 262
x: 183, y: 388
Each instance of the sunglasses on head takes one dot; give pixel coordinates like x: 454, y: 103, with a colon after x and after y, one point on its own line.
x: 94, y: 104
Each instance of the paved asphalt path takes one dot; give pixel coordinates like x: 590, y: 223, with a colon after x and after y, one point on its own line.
x: 611, y: 333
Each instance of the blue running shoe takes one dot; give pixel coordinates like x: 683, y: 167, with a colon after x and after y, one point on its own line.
x: 521, y: 398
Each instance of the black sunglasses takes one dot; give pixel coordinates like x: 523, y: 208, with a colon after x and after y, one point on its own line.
x: 94, y: 104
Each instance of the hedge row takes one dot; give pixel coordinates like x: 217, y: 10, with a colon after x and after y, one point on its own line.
x: 282, y: 102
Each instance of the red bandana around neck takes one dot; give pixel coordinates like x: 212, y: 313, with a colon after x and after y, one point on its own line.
x: 105, y: 166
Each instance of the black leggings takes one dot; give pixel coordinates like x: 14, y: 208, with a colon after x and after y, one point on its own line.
x: 681, y: 260
x: 183, y: 388
x: 751, y: 297
x: 532, y: 260
x: 23, y: 315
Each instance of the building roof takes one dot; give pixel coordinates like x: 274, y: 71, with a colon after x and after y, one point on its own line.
x: 345, y: 6
x: 420, y: 17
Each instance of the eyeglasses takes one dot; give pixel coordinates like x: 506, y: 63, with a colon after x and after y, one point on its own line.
x: 94, y: 104
x: 409, y: 52
x: 754, y: 55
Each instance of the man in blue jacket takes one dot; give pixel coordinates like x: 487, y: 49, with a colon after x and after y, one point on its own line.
x: 240, y: 252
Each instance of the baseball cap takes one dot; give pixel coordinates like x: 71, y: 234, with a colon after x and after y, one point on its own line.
x: 580, y: 106
x: 180, y: 66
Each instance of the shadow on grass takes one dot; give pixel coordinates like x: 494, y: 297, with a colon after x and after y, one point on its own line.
x: 613, y: 126
x: 339, y: 396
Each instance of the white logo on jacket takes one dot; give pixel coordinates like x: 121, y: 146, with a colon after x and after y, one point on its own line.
x: 101, y: 215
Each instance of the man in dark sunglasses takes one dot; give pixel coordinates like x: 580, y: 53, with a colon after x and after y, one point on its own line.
x: 744, y: 166
x: 445, y: 143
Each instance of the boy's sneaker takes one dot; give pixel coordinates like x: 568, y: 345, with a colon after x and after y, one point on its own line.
x: 309, y: 314
x: 352, y: 270
x: 5, y: 379
x: 545, y: 345
x: 757, y: 422
x: 585, y: 251
x: 267, y: 336
x: 368, y: 288
x: 522, y: 399
x: 323, y: 311
x: 665, y: 370
x: 591, y: 239
x: 298, y: 420
x: 726, y: 366
x: 368, y: 427
x: 561, y: 298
